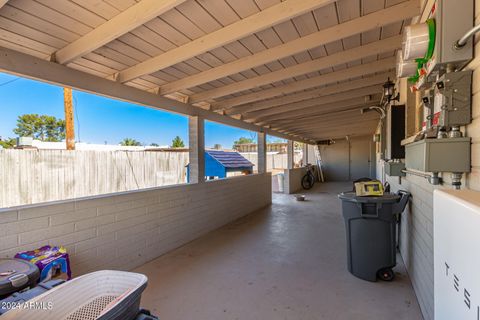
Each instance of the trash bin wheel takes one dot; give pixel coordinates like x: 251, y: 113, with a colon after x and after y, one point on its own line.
x: 386, y: 274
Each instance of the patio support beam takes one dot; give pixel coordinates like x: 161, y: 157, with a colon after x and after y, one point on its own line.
x: 290, y: 154
x: 196, y: 142
x: 305, y: 154
x: 355, y: 26
x: 25, y: 65
x: 262, y: 152
x: 262, y: 20
x: 122, y: 23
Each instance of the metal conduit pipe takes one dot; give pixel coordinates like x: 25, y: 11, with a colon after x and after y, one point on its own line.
x: 463, y: 40
x: 432, y: 178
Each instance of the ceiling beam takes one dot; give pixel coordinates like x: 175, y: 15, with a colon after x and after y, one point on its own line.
x: 2, y: 3
x: 349, y: 117
x: 331, y: 119
x: 365, y: 125
x: 314, y: 115
x: 25, y: 65
x: 274, y: 112
x: 361, y: 128
x: 320, y: 112
x: 399, y: 12
x: 346, y: 56
x: 345, y: 74
x: 264, y: 19
x: 311, y: 94
x: 122, y: 23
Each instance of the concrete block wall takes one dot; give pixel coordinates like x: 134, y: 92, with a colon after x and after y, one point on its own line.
x: 125, y: 230
x: 416, y: 238
x: 293, y: 180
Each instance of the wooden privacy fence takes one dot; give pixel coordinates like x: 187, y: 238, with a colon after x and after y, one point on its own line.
x: 33, y: 176
x: 274, y: 161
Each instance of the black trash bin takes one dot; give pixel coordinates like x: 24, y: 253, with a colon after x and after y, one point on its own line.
x: 371, y: 228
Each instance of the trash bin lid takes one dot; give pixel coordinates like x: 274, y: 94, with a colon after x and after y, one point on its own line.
x: 386, y: 198
x: 15, y: 274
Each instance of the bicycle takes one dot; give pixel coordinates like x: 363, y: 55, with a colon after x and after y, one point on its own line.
x: 308, y: 180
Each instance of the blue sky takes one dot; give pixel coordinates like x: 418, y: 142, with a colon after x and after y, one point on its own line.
x: 99, y: 119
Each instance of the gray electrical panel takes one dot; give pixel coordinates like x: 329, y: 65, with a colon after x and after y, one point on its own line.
x: 453, y: 19
x: 453, y: 94
x: 394, y: 169
x: 439, y: 155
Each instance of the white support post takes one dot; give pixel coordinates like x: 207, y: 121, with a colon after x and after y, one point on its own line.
x: 290, y: 154
x: 196, y: 149
x: 305, y: 154
x: 262, y: 152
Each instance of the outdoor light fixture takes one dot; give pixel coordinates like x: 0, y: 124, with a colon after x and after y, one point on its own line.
x: 389, y: 91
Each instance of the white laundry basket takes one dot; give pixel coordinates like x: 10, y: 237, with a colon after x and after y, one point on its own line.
x: 103, y: 295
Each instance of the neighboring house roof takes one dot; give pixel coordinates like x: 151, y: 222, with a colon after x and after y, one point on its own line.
x: 229, y: 159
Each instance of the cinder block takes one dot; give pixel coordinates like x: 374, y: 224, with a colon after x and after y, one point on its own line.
x: 43, y: 234
x: 74, y: 237
x: 8, y: 242
x: 45, y: 210
x: 23, y: 226
x: 77, y: 215
x: 8, y: 216
x: 94, y: 222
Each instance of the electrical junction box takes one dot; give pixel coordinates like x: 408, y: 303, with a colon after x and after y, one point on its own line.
x: 453, y: 92
x: 452, y: 19
x: 449, y: 102
x: 439, y: 155
x: 394, y: 169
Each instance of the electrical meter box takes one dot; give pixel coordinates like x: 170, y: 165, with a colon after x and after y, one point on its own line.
x: 453, y: 93
x: 439, y: 155
x: 449, y: 103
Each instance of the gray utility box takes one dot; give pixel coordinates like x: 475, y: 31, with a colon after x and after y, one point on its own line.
x: 439, y: 155
x: 394, y: 169
x: 453, y: 18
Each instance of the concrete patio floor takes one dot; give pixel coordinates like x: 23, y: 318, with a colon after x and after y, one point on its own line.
x: 287, y: 261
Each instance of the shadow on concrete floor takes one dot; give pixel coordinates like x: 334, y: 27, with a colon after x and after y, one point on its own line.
x: 287, y: 261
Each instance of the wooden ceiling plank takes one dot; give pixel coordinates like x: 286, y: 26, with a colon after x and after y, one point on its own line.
x: 43, y: 12
x: 311, y: 94
x: 320, y: 127
x: 321, y: 108
x: 251, y: 24
x: 302, y: 105
x: 366, y: 69
x: 348, y: 118
x: 309, y: 113
x: 362, y: 24
x: 122, y: 23
x: 374, y: 48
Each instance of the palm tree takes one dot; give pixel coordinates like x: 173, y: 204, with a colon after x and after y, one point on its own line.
x: 130, y: 142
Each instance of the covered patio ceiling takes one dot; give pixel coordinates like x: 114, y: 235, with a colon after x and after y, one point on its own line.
x: 298, y: 69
